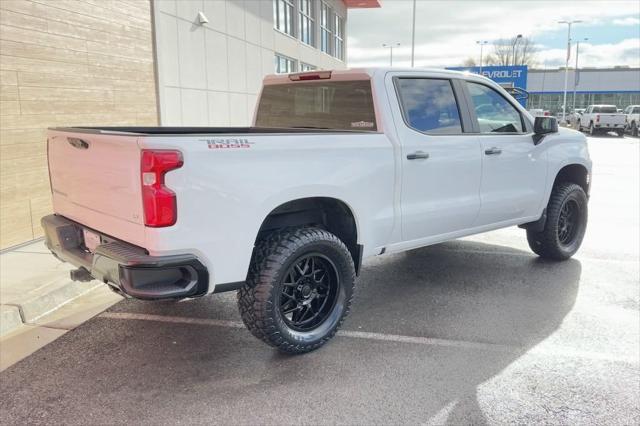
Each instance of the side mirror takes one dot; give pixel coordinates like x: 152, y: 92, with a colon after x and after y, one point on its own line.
x: 542, y: 126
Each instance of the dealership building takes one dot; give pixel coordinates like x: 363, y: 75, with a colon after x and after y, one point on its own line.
x: 141, y: 62
x: 612, y: 86
x: 618, y: 86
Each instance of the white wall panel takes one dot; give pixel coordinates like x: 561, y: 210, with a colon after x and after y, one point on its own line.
x: 236, y: 55
x: 218, y: 108
x: 216, y: 13
x: 238, y: 115
x: 167, y: 45
x: 254, y: 68
x: 235, y: 18
x: 217, y: 61
x: 194, y: 107
x: 171, y: 111
x: 191, y: 56
x: 252, y: 21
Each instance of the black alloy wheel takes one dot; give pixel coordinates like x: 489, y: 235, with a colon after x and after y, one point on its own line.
x: 568, y: 222
x: 309, y: 292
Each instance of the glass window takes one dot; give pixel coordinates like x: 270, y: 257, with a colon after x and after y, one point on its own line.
x: 338, y: 37
x: 283, y: 16
x: 306, y: 67
x: 606, y: 109
x: 284, y: 64
x: 636, y: 110
x: 429, y: 105
x: 325, y: 28
x: 343, y: 105
x: 495, y: 114
x: 306, y: 22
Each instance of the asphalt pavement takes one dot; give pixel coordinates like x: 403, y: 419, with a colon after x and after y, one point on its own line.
x: 477, y: 330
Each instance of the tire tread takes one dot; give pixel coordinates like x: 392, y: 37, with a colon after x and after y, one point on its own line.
x: 254, y: 298
x: 545, y: 243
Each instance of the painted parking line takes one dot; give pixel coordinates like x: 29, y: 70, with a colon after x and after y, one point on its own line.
x: 545, y: 350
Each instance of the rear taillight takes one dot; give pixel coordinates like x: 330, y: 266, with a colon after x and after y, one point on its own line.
x: 159, y: 202
x: 598, y: 118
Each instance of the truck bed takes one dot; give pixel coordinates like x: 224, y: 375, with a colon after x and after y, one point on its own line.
x: 150, y: 131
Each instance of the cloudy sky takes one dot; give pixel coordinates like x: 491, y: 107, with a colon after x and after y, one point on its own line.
x: 446, y: 31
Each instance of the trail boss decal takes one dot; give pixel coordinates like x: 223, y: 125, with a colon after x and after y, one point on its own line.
x: 362, y: 124
x: 227, y: 143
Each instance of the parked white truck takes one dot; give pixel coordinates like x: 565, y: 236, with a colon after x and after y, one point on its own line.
x: 601, y: 119
x: 632, y: 119
x: 339, y: 166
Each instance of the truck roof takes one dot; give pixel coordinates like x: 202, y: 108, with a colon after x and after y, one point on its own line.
x: 353, y: 74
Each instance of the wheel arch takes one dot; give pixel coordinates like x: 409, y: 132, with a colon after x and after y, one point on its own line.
x: 332, y: 214
x: 575, y: 173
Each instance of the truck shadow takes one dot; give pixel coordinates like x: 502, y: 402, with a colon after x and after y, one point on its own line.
x: 463, y: 292
x: 466, y: 292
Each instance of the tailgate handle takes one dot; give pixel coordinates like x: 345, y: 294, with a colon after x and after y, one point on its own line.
x: 78, y: 143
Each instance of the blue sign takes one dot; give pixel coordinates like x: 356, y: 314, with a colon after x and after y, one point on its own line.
x: 506, y: 76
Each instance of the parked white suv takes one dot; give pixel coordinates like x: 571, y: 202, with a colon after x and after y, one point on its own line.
x: 632, y: 119
x: 601, y: 119
x: 338, y: 167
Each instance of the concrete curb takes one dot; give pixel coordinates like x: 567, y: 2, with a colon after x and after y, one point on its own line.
x: 33, y: 284
x: 46, y: 300
x: 10, y: 319
x: 55, y: 295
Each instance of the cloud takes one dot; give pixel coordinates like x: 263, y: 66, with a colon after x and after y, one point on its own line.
x: 623, y: 22
x: 446, y: 31
x: 625, y: 52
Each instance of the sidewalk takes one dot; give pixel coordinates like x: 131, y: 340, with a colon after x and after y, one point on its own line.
x: 39, y: 303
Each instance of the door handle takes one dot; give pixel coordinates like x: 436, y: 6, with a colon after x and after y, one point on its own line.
x: 493, y: 151
x: 418, y: 155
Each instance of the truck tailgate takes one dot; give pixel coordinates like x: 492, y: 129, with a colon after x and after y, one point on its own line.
x: 611, y: 119
x: 95, y: 180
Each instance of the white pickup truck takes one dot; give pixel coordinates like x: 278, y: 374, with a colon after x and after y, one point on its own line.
x: 339, y: 166
x: 632, y: 119
x: 601, y: 119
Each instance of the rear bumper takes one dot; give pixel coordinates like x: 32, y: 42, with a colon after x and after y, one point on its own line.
x: 610, y: 126
x: 126, y: 267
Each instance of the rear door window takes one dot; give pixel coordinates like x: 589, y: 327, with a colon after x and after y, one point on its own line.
x: 336, y: 105
x: 429, y: 105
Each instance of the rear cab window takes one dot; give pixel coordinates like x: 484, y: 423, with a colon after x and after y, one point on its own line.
x: 322, y: 104
x: 607, y: 109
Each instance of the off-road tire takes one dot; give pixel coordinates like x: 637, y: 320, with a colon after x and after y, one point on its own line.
x: 272, y: 258
x: 546, y: 243
x: 634, y: 129
x: 620, y: 133
x: 592, y: 129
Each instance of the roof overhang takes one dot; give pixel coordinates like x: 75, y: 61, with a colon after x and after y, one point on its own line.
x: 362, y: 4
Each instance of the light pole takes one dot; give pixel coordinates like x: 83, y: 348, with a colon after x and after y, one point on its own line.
x: 566, y: 67
x: 513, y: 48
x: 390, y: 47
x: 575, y: 73
x: 413, y: 33
x: 544, y: 75
x: 481, y: 43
